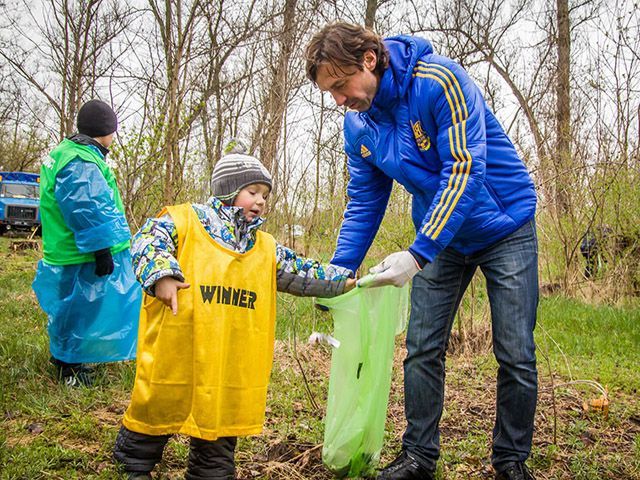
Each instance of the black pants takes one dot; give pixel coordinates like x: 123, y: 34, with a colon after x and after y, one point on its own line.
x: 208, y: 459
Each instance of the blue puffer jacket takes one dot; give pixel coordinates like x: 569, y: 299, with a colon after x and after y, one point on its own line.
x: 430, y: 129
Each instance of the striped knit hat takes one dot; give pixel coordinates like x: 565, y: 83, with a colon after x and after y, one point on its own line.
x: 236, y: 170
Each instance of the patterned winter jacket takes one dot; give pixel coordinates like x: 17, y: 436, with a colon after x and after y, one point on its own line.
x: 430, y: 129
x: 154, y: 246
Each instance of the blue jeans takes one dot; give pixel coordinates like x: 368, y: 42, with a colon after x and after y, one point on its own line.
x: 510, y: 267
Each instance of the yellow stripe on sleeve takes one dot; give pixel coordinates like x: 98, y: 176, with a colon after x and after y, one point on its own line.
x: 450, y: 75
x: 457, y: 145
x: 448, y: 89
x: 464, y: 177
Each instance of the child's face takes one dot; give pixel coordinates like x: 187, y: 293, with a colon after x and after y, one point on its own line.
x: 253, y: 200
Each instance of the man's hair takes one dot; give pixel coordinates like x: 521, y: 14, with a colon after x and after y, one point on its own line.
x: 344, y: 45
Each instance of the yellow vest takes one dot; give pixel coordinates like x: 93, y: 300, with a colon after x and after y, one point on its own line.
x: 204, y: 372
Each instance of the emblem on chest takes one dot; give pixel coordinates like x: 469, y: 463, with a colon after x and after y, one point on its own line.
x: 422, y: 140
x: 364, y: 151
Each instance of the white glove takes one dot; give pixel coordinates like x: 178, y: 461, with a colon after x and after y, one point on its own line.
x: 316, y: 337
x: 397, y: 269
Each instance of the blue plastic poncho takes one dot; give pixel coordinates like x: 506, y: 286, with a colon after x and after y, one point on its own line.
x: 90, y: 319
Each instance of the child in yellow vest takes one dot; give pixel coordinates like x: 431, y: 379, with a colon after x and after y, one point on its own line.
x: 205, y: 347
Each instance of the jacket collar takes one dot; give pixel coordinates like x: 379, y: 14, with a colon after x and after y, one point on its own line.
x: 404, y: 53
x: 82, y: 139
x: 386, y: 97
x: 234, y: 216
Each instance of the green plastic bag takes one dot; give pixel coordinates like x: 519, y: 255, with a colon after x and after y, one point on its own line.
x: 366, y: 320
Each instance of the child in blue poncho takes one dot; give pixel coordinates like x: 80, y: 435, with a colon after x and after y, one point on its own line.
x: 85, y: 282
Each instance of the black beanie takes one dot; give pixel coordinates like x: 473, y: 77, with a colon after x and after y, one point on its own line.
x: 96, y: 119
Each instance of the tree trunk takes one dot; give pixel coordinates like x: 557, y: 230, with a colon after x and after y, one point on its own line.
x: 564, y: 169
x: 370, y: 14
x: 280, y: 85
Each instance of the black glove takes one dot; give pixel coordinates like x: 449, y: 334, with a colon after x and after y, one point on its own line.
x: 104, y: 262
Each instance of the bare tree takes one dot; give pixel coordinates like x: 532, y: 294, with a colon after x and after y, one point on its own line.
x: 177, y: 24
x: 62, y: 53
x: 194, y: 86
x: 279, y: 84
x: 370, y: 13
x: 563, y: 96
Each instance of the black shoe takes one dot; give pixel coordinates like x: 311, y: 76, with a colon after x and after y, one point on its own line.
x: 406, y: 467
x: 515, y: 471
x: 138, y: 476
x: 73, y: 374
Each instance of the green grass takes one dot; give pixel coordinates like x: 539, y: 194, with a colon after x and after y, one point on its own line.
x: 49, y: 431
x: 585, y: 342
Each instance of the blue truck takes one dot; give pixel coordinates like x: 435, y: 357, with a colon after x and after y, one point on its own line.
x: 19, y: 201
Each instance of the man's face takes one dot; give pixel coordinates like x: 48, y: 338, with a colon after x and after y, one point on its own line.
x: 349, y: 86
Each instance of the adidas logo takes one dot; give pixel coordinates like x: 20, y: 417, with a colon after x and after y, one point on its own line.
x: 364, y: 151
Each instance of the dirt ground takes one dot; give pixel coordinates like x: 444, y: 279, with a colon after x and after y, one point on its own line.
x: 569, y: 442
x: 565, y: 434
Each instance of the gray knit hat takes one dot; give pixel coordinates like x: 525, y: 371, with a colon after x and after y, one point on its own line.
x: 235, y: 171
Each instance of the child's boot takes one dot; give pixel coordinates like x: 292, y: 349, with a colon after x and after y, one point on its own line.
x: 138, y: 476
x: 137, y: 453
x: 73, y: 374
x: 212, y: 459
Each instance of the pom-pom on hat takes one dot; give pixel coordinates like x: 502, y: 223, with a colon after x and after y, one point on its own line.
x: 96, y: 119
x: 235, y: 170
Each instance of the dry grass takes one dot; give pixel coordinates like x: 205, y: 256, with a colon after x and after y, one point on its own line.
x: 51, y: 433
x: 284, y: 450
x: 466, y: 427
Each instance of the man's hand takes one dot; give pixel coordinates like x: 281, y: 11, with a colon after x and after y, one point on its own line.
x: 104, y: 262
x: 397, y: 269
x: 167, y: 292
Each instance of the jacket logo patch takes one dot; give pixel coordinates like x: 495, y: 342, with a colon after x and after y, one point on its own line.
x: 422, y: 140
x: 364, y: 151
x: 48, y: 161
x: 238, y: 297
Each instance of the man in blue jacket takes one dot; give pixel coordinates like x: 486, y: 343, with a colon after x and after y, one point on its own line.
x: 417, y: 118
